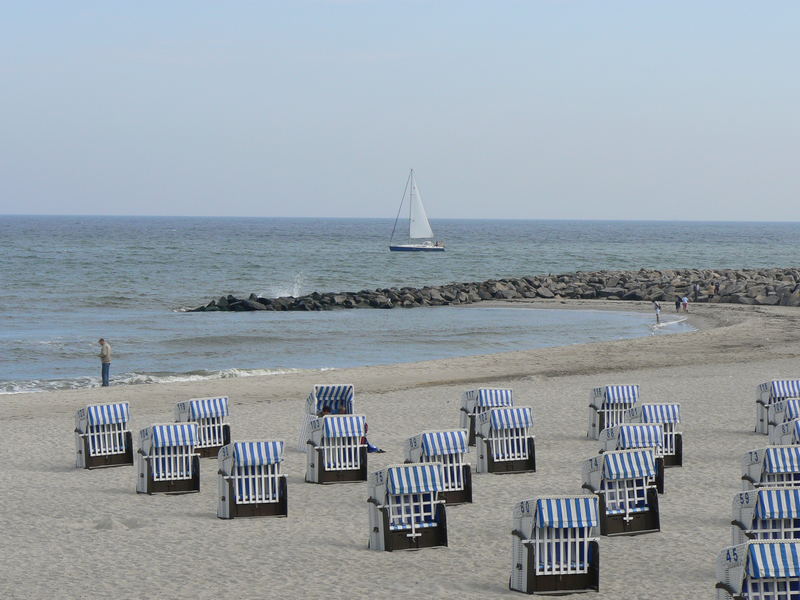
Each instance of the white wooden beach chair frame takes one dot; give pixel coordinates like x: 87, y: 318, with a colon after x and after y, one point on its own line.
x: 342, y: 453
x: 252, y: 490
x: 407, y: 520
x: 734, y: 582
x: 512, y: 446
x: 456, y: 472
x: 471, y: 407
x: 335, y: 458
x: 767, y: 395
x: 311, y: 412
x: 102, y: 444
x: 603, y: 413
x: 169, y: 469
x: 746, y: 523
x: 547, y: 559
x: 755, y: 475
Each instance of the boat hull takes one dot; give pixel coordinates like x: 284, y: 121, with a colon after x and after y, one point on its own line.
x: 416, y: 248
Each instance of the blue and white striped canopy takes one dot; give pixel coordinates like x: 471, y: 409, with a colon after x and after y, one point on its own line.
x: 250, y: 454
x: 178, y: 434
x: 792, y: 409
x: 567, y: 512
x: 205, y: 408
x: 778, y: 504
x: 782, y: 459
x: 414, y: 479
x: 339, y: 426
x: 108, y: 414
x: 511, y: 417
x: 782, y: 388
x: 492, y: 397
x: 339, y: 398
x: 661, y: 413
x: 640, y: 436
x: 441, y: 443
x: 620, y: 394
x: 628, y: 465
x: 773, y: 560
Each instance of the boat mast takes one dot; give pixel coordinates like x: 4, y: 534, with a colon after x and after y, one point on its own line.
x: 399, y: 208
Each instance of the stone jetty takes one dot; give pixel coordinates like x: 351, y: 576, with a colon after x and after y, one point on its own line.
x: 734, y: 286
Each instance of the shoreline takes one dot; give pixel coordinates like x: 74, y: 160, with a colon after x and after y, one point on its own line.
x: 712, y: 323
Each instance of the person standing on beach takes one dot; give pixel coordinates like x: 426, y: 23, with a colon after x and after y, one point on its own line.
x: 657, y: 308
x: 105, y: 360
x: 685, y: 302
x: 677, y: 304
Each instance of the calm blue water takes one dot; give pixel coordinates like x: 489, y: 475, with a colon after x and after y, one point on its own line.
x: 65, y: 281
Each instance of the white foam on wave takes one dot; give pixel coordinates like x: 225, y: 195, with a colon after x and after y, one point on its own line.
x: 48, y: 385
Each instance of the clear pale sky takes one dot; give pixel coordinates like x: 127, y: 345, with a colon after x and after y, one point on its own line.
x: 528, y: 109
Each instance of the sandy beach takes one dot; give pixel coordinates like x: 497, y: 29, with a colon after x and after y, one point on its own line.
x: 71, y: 533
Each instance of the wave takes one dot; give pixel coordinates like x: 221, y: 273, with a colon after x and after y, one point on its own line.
x: 49, y: 385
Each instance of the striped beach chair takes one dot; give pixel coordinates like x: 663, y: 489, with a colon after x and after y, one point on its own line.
x: 336, y: 451
x: 770, y: 392
x: 623, y: 482
x: 773, y: 466
x: 607, y: 406
x: 786, y: 434
x: 504, y: 441
x: 555, y: 545
x: 338, y: 398
x: 102, y: 438
x: 631, y: 436
x: 167, y: 460
x: 474, y: 402
x: 759, y: 570
x: 669, y: 415
x: 766, y: 514
x: 781, y: 412
x: 250, y: 480
x: 210, y: 415
x: 405, y: 510
x: 449, y: 448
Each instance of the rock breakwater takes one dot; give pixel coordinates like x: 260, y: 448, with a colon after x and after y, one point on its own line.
x: 735, y: 286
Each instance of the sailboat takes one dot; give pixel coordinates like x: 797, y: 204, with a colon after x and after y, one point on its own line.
x: 419, y: 228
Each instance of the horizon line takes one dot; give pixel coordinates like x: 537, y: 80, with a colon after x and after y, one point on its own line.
x: 553, y: 219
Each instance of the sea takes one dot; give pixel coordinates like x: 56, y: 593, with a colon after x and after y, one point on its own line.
x: 65, y: 281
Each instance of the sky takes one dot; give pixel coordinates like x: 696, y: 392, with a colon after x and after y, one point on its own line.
x: 563, y: 109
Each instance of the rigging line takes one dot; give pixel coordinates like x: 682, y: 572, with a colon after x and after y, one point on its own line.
x: 401, y: 205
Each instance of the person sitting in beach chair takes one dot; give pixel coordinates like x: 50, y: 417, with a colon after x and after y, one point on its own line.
x: 669, y: 416
x: 630, y: 436
x: 607, y: 407
x: 773, y: 466
x: 555, y: 546
x: 474, y: 402
x: 759, y: 570
x: 769, y: 393
x: 333, y: 399
x: 102, y: 438
x: 210, y: 415
x: 504, y: 443
x: 766, y: 514
x: 371, y: 449
x: 250, y: 480
x: 448, y: 447
x: 623, y: 482
x: 781, y: 412
x: 335, y: 450
x: 167, y: 460
x: 405, y: 510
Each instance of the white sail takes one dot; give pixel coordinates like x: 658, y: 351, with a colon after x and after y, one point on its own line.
x: 418, y: 226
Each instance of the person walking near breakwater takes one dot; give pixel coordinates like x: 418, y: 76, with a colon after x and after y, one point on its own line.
x: 677, y: 304
x: 657, y: 308
x: 105, y: 360
x: 685, y: 303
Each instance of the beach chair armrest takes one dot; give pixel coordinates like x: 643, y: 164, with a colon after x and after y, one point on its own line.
x: 480, y: 435
x: 406, y: 462
x: 464, y: 410
x: 761, y: 402
x: 519, y: 534
x: 586, y: 486
x: 748, y: 479
x: 311, y: 443
x: 374, y: 501
x: 739, y: 524
x: 724, y: 586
